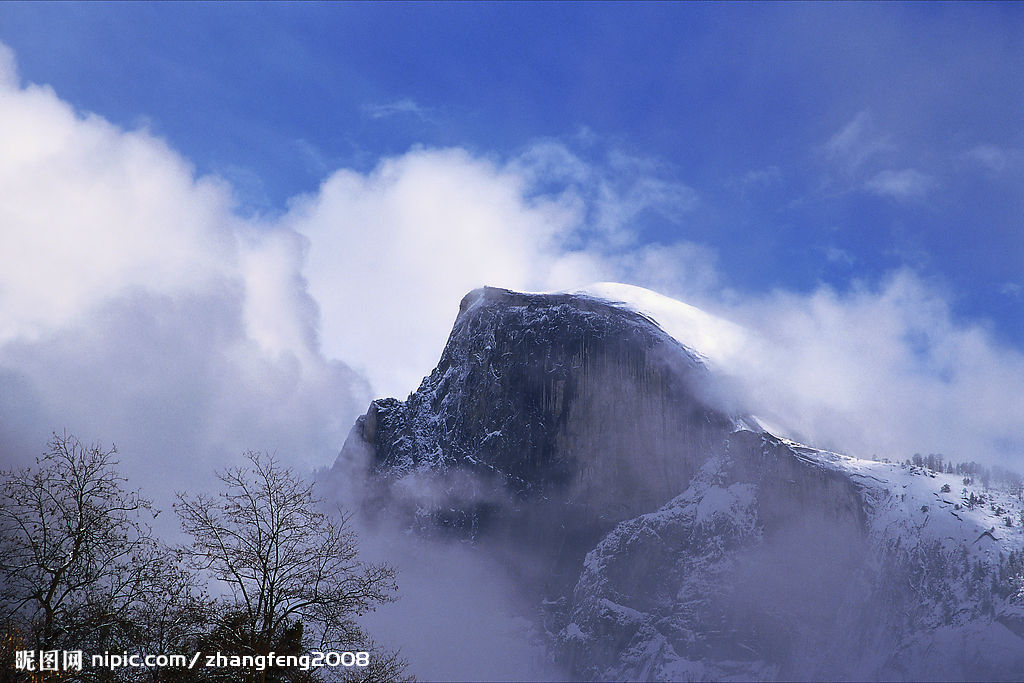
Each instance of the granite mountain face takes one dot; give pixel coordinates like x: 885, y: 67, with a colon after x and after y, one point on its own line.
x: 661, y: 536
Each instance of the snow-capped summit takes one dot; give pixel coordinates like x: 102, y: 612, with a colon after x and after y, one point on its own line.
x: 715, y: 339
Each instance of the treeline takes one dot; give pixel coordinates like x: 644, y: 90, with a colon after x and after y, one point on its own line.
x: 972, y: 471
x: 265, y: 571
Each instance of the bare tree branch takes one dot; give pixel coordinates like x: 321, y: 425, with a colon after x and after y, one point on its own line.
x: 286, y: 564
x: 74, y: 549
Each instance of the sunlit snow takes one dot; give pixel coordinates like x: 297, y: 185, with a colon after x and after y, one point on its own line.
x: 716, y: 340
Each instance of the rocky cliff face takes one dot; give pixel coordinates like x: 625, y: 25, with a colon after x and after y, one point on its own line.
x: 677, y: 542
x: 552, y: 417
x: 523, y: 393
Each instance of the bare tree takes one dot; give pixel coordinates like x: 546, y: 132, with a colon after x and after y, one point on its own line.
x: 75, y: 554
x: 173, y: 615
x: 292, y: 571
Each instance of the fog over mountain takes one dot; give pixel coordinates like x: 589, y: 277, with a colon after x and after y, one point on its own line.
x: 648, y: 531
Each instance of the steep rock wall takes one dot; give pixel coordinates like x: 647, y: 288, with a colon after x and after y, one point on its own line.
x: 551, y: 396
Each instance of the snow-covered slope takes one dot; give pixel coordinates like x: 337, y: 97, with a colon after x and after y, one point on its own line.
x: 573, y: 432
x: 710, y: 587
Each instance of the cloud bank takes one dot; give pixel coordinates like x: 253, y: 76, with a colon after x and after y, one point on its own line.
x: 137, y: 306
x: 884, y: 370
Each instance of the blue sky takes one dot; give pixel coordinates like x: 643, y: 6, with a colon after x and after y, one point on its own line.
x: 736, y: 101
x: 266, y: 214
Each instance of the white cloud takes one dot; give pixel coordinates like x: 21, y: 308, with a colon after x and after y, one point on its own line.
x: 136, y: 307
x: 402, y: 106
x: 886, y: 371
x: 89, y: 211
x: 834, y: 254
x: 857, y: 142
x: 683, y: 270
x: 1012, y: 289
x: 760, y: 178
x: 990, y: 156
x: 393, y: 251
x: 905, y: 184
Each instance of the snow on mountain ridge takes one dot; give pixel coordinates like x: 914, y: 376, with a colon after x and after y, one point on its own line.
x: 715, y: 339
x: 910, y: 498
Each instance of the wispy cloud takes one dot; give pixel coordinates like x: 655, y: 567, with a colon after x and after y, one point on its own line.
x: 614, y: 190
x: 857, y: 142
x: 1012, y: 289
x: 990, y: 156
x: 756, y: 181
x: 908, y: 183
x: 836, y: 255
x: 8, y: 67
x: 398, y: 107
x: 762, y: 177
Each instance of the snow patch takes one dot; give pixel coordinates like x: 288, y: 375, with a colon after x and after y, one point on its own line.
x: 716, y: 340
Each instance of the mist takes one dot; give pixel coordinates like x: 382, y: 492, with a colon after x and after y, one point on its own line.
x: 464, y: 611
x: 460, y: 615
